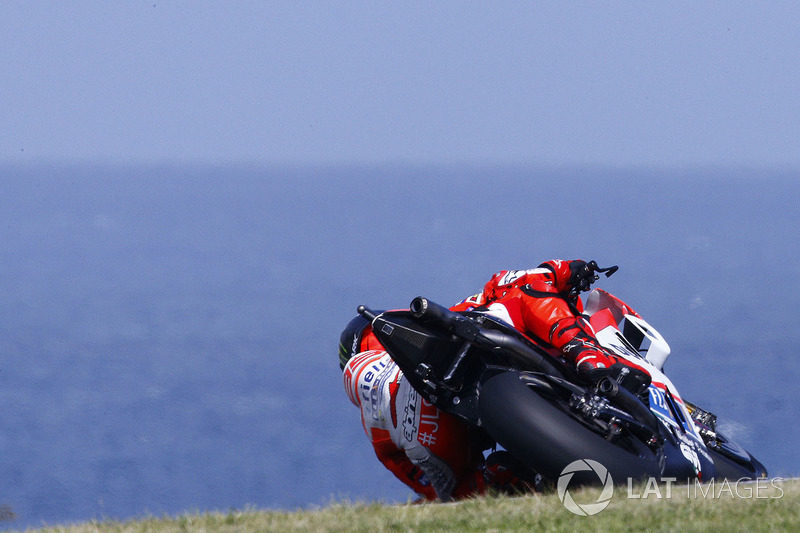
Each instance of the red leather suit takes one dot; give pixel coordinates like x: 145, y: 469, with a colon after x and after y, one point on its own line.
x: 427, y: 449
x: 538, y: 303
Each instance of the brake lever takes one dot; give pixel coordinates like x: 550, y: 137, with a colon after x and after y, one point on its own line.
x: 607, y: 271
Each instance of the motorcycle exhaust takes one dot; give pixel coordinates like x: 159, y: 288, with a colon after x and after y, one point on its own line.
x: 610, y: 389
x: 424, y: 309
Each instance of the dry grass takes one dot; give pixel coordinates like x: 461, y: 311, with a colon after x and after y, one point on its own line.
x: 773, y: 507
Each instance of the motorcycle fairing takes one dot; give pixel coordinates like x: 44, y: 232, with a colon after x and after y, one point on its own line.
x: 620, y: 329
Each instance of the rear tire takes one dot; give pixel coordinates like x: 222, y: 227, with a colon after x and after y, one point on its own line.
x: 547, y: 439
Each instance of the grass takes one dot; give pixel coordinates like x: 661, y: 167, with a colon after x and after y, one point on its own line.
x: 731, y: 507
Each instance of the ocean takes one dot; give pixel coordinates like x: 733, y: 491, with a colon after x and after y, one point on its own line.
x: 168, y: 333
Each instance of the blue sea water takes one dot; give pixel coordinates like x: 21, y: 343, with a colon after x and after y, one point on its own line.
x: 168, y: 334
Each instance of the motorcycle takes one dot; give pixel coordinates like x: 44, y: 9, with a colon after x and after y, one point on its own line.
x: 522, y: 395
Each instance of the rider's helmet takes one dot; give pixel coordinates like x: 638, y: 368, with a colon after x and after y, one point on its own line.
x: 350, y: 340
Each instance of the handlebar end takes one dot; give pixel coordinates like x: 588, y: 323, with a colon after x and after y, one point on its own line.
x: 366, y: 313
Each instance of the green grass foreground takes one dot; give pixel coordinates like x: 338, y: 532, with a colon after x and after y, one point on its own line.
x: 768, y: 507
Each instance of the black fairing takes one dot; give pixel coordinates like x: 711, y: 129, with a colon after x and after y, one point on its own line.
x: 446, y: 369
x: 410, y: 343
x: 425, y: 355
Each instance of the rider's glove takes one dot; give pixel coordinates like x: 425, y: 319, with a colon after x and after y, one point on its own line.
x: 571, y: 277
x: 581, y: 276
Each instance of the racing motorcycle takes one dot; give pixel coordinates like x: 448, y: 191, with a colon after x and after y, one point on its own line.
x: 519, y: 393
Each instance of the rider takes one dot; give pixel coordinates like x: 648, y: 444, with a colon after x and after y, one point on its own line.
x: 429, y: 450
x: 544, y: 304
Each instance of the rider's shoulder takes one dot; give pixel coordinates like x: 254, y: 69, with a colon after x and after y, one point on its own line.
x: 514, y: 277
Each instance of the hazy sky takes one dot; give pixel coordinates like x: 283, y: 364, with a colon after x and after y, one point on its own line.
x: 664, y: 83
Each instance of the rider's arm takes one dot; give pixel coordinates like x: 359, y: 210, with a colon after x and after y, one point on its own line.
x: 551, y: 276
x: 505, y: 280
x: 399, y: 464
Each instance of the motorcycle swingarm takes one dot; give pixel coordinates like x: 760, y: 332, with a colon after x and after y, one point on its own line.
x: 593, y: 410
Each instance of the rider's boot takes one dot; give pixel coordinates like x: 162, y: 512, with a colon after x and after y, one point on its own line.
x: 505, y: 473
x: 590, y: 360
x: 593, y: 364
